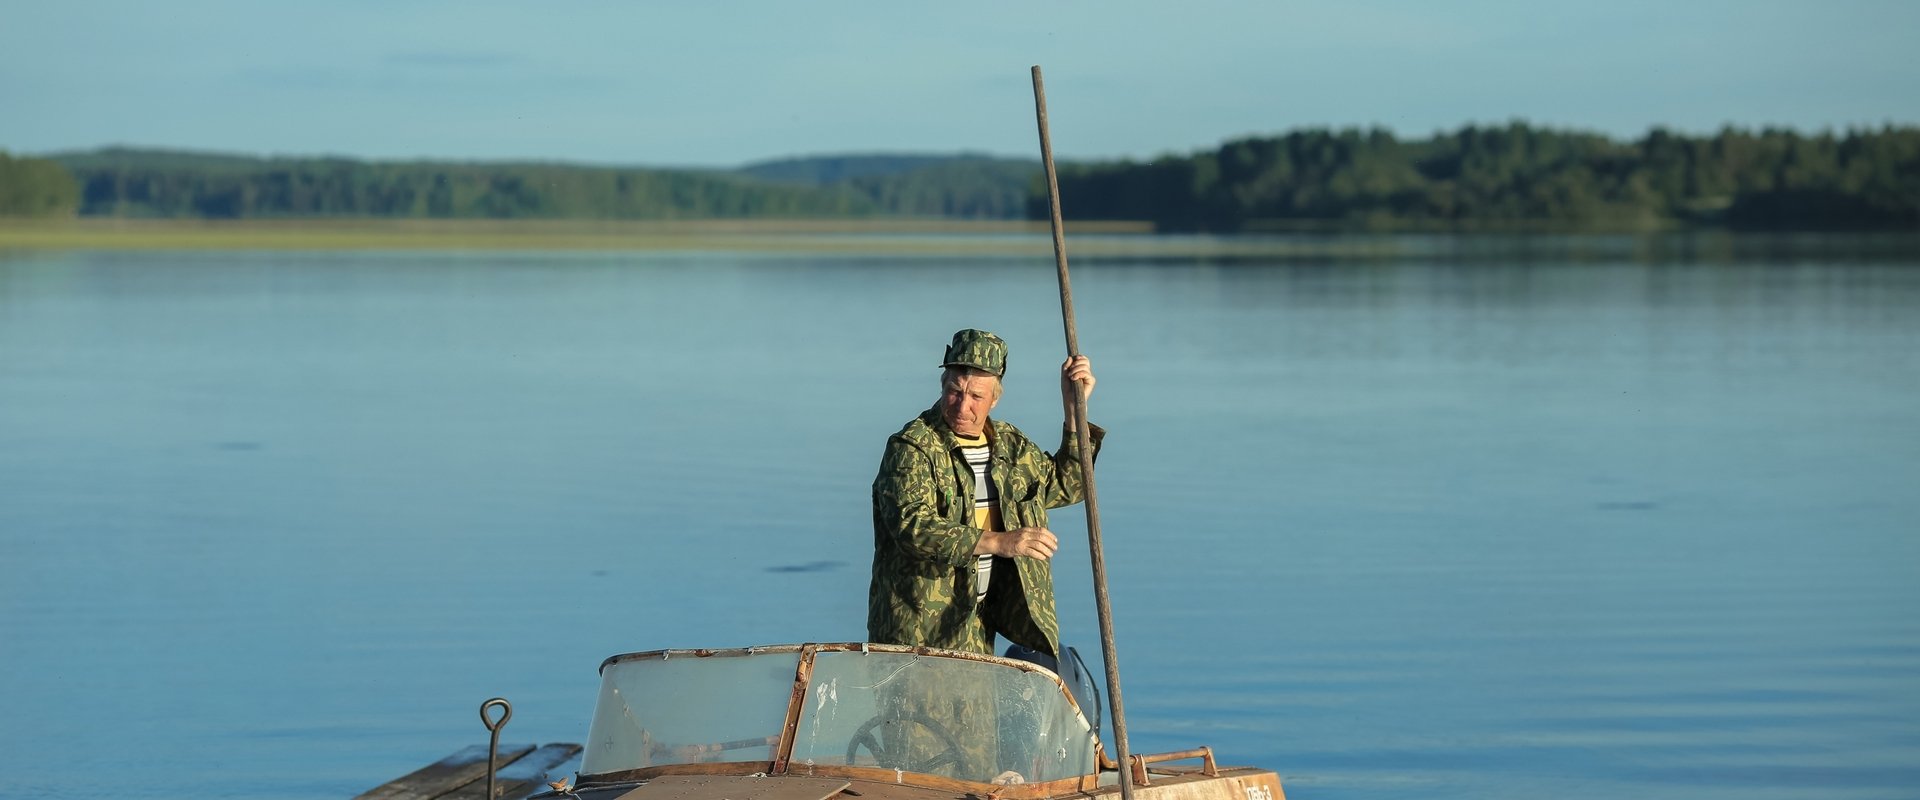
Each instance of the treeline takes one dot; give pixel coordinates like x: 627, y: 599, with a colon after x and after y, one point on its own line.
x: 963, y: 188
x: 966, y: 186
x: 1515, y: 175
x: 140, y: 183
x: 35, y: 187
x: 131, y: 183
x: 1477, y: 177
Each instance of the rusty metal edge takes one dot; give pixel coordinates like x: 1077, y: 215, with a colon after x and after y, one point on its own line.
x: 826, y: 647
x: 1204, y: 753
x: 1084, y: 784
x: 802, y: 678
x: 1024, y: 791
x: 646, y: 773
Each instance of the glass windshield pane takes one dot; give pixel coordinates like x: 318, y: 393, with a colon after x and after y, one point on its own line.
x: 686, y: 709
x: 971, y: 720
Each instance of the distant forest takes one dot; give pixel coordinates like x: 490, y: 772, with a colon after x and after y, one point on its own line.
x: 1516, y: 175
x: 32, y: 187
x: 1477, y: 177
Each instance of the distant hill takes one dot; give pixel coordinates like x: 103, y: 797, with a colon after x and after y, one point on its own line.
x: 972, y: 188
x: 967, y: 185
x: 831, y: 169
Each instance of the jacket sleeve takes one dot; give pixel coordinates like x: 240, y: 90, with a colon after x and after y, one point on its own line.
x: 1065, y: 485
x: 909, y: 509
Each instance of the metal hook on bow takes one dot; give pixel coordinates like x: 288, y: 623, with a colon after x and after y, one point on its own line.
x: 493, y: 728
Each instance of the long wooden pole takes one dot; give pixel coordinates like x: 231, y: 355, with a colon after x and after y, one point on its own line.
x: 1085, y: 434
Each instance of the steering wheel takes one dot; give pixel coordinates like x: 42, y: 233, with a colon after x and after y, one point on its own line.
x: 896, y: 756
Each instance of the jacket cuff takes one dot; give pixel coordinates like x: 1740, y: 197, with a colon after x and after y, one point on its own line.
x: 1070, y: 439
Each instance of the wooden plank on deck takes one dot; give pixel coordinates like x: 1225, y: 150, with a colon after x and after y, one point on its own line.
x: 732, y: 787
x: 447, y: 774
x: 524, y: 777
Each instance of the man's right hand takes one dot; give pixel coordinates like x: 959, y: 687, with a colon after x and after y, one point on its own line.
x: 1037, y: 543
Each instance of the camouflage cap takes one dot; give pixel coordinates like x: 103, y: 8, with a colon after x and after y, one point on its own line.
x: 977, y: 349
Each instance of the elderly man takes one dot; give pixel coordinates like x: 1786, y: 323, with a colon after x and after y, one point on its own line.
x: 960, y: 539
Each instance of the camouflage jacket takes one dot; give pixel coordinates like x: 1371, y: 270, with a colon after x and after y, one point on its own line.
x: 922, y: 591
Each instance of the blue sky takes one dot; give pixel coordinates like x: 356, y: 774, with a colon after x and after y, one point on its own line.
x: 725, y: 83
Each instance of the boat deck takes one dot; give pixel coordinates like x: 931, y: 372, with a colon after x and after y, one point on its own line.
x: 524, y: 770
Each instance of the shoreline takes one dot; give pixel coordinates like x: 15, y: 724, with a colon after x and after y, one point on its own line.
x: 833, y: 235
x: 907, y: 237
x: 898, y: 237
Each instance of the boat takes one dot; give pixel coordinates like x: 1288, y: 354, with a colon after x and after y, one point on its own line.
x: 841, y: 721
x: 871, y: 721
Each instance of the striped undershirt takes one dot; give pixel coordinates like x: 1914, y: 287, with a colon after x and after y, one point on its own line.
x: 986, y: 504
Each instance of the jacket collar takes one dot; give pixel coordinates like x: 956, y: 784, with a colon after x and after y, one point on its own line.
x: 938, y: 422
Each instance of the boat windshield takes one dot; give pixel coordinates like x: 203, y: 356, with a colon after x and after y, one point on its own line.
x: 972, y: 718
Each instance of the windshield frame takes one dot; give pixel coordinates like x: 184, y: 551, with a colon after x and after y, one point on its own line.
x: 803, y: 675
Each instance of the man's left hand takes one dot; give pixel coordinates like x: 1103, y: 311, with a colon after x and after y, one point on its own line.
x: 1076, y: 373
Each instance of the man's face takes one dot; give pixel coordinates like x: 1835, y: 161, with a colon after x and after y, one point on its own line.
x: 965, y: 400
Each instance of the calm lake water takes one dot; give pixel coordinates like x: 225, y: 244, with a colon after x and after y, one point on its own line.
x: 1541, y: 518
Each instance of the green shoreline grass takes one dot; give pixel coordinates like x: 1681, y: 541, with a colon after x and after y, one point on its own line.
x: 886, y: 236
x: 896, y: 237
x: 916, y: 238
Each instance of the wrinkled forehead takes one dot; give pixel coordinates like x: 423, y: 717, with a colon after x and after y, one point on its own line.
x: 969, y: 380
